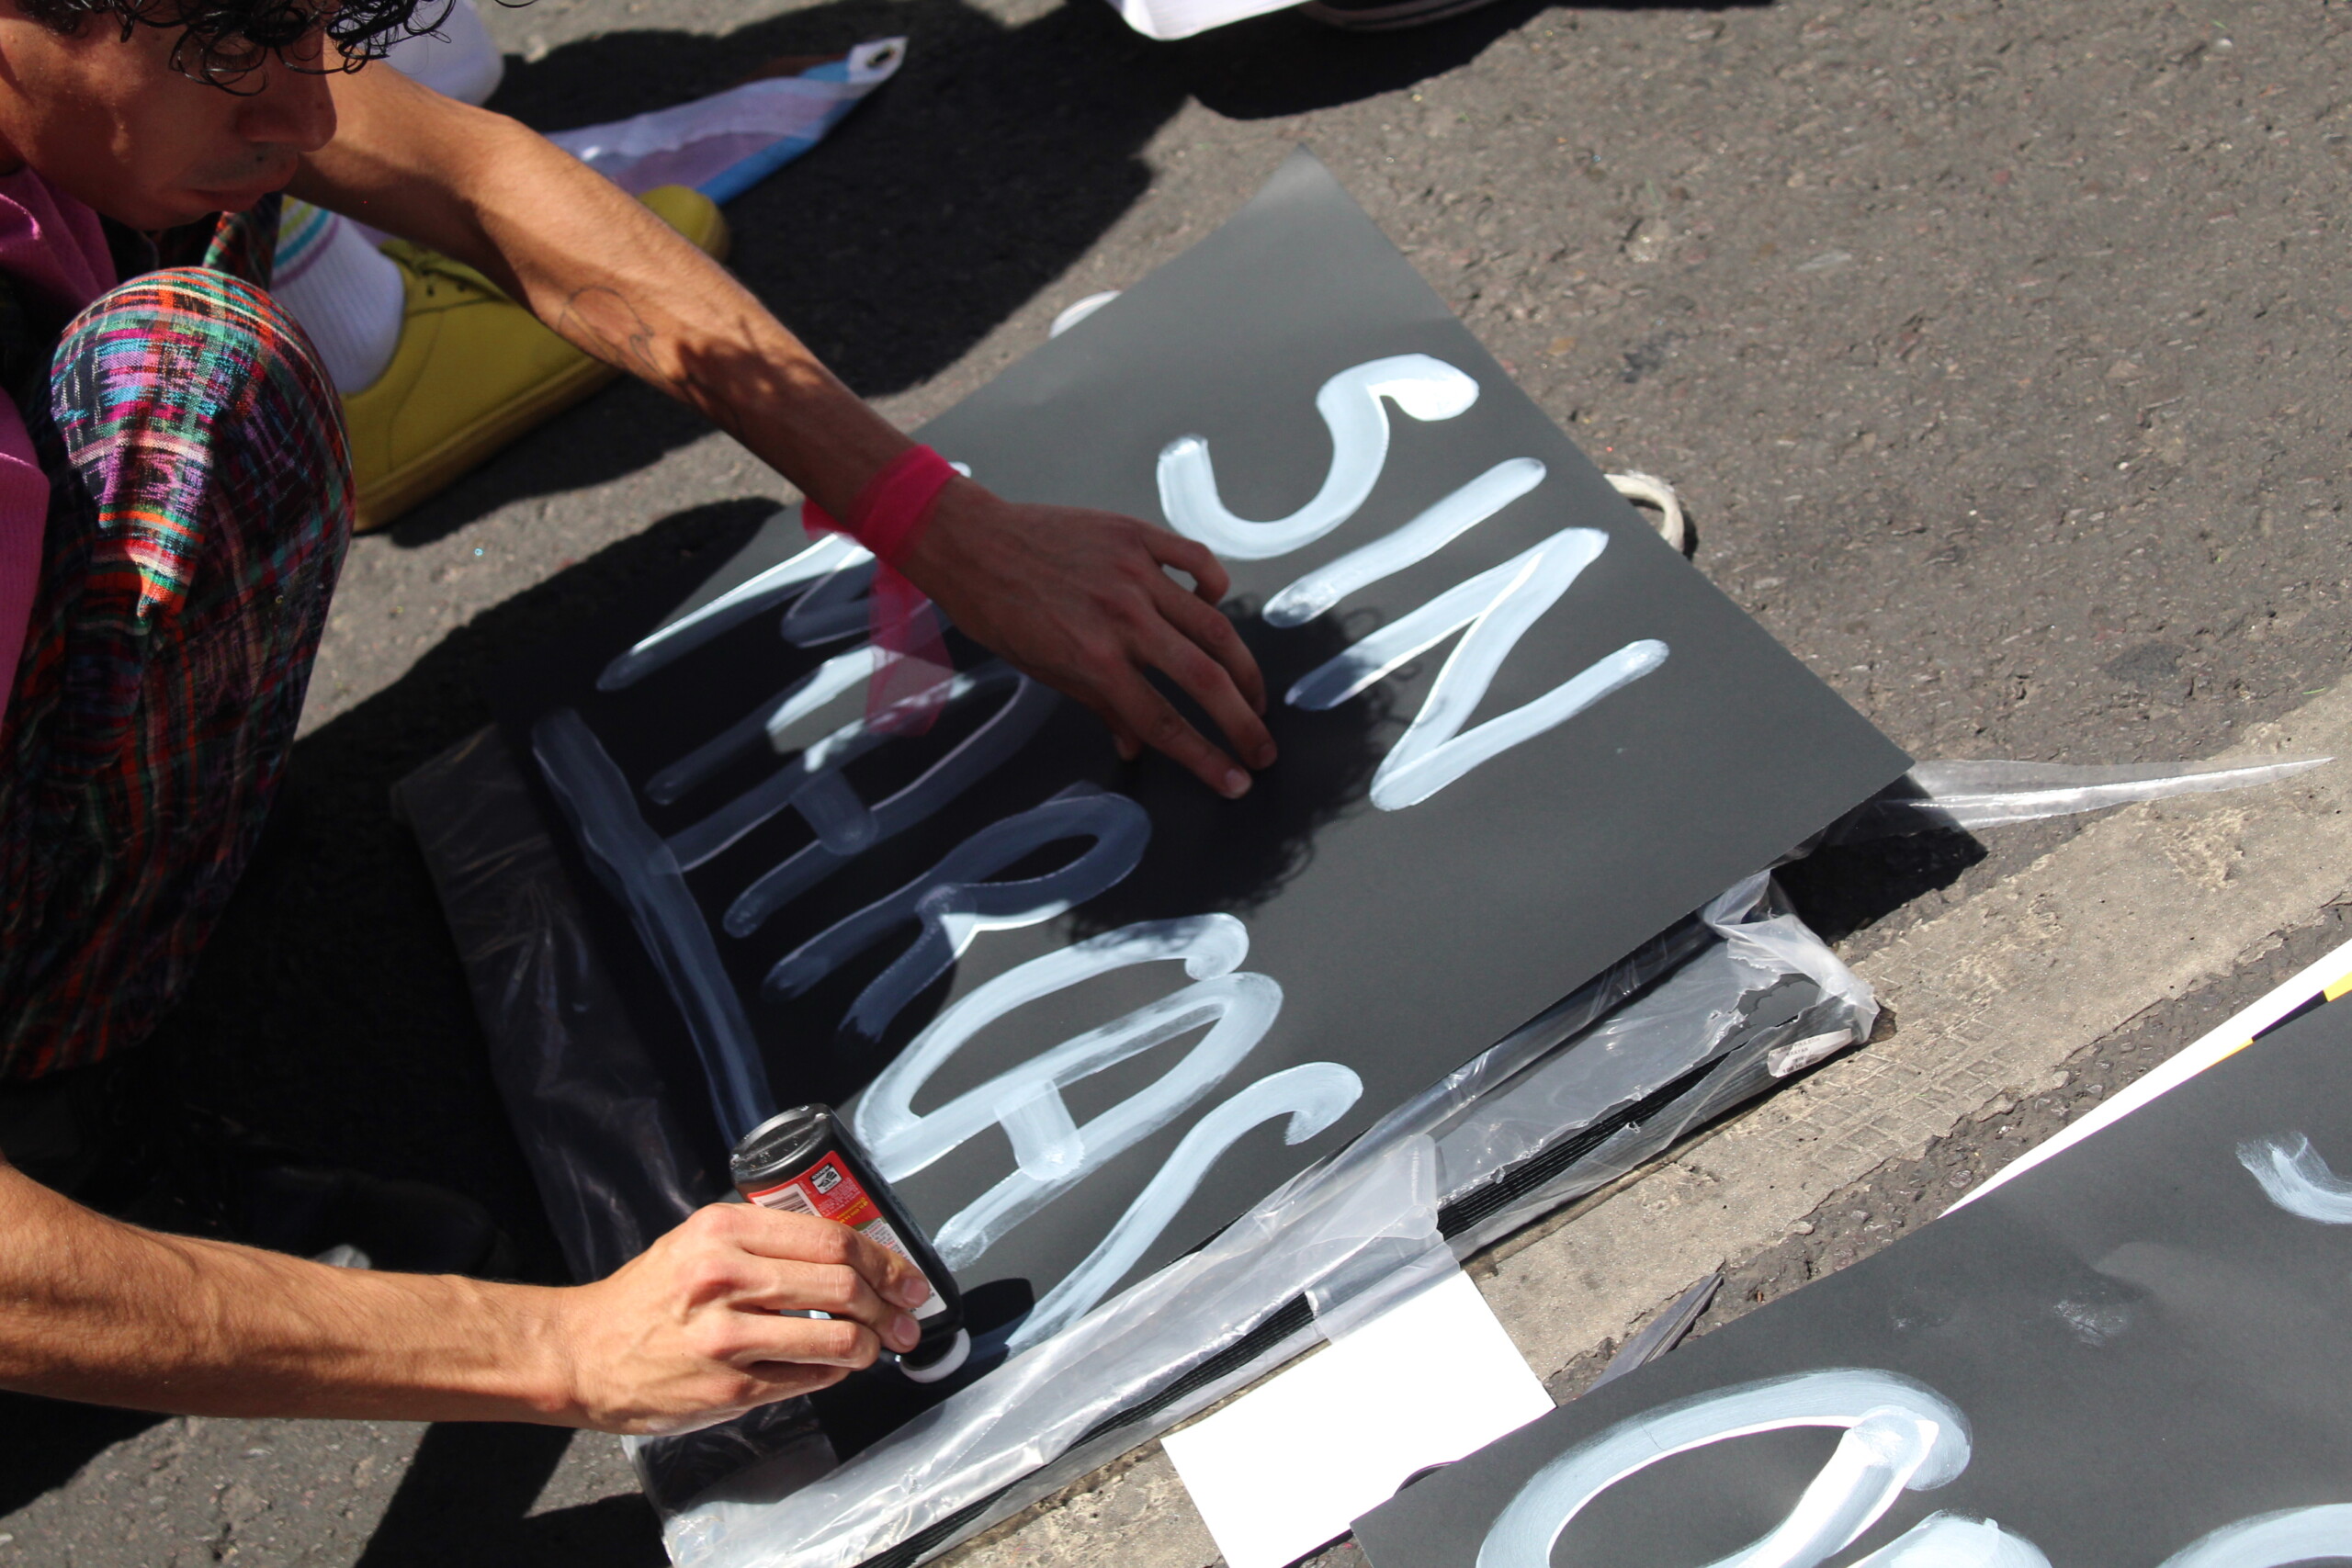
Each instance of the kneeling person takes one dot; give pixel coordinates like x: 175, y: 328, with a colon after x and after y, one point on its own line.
x: 175, y: 500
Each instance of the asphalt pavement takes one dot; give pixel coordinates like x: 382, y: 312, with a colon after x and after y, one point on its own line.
x: 1996, y: 349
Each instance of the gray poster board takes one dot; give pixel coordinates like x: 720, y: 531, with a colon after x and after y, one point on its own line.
x: 2144, y: 1348
x: 1400, y: 938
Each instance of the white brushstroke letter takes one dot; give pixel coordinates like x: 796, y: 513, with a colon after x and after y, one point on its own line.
x: 1953, y: 1540
x: 1900, y: 1434
x: 956, y: 899
x: 1048, y: 1143
x: 1313, y: 1096
x: 2273, y: 1540
x: 813, y: 784
x: 1497, y: 606
x: 786, y: 580
x: 772, y: 720
x: 1352, y: 407
x: 638, y: 869
x: 2297, y: 1179
x: 1416, y: 541
x: 1051, y: 1153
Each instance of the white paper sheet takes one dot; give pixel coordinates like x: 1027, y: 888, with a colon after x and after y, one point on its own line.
x: 1283, y: 1469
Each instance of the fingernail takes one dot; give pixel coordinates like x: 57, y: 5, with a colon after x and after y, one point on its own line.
x: 1266, y: 755
x: 904, y: 1333
x: 911, y: 1291
x: 1236, y: 785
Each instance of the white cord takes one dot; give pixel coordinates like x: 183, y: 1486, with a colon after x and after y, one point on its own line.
x: 1652, y: 491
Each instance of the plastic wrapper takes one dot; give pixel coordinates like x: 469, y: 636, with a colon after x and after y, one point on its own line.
x: 1945, y: 796
x: 1704, y: 1017
x: 613, y: 1164
x: 1563, y: 1107
x: 724, y: 144
x: 1694, y: 1022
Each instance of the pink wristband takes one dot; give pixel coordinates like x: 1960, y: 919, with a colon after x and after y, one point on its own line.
x: 908, y: 687
x: 888, y: 514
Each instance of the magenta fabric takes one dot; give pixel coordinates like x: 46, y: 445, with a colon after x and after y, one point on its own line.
x: 910, y: 684
x: 890, y: 511
x: 53, y: 248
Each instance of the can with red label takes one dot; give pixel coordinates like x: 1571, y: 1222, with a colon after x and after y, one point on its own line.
x: 806, y: 1162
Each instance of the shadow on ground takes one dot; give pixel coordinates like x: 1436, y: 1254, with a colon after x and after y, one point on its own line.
x: 43, y: 1442
x: 993, y: 162
x: 1841, y: 890
x: 466, y: 1504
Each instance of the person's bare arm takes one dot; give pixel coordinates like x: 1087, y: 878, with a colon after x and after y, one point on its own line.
x: 1074, y: 597
x: 685, y: 1335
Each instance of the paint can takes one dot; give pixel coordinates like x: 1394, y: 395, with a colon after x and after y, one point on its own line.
x: 806, y: 1162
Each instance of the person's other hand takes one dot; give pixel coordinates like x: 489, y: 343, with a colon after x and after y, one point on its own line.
x: 1077, y: 599
x: 687, y: 1334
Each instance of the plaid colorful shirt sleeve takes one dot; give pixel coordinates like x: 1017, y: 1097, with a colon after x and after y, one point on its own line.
x: 201, y: 503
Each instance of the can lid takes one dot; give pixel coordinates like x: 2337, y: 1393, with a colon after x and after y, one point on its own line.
x: 949, y: 1360
x: 786, y: 1138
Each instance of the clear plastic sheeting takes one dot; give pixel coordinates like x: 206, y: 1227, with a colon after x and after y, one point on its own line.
x: 1042, y: 1403
x: 1681, y: 1031
x: 1944, y: 797
x: 1662, y: 1333
x: 1697, y: 1043
x: 1184, y: 1377
x: 1701, y: 1018
x: 1560, y: 1108
x: 1407, y: 1257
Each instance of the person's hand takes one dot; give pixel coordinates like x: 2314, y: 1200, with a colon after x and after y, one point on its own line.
x: 687, y: 1334
x: 1077, y: 599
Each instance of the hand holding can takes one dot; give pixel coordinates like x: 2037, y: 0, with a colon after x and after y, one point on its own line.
x: 806, y: 1162
x: 709, y: 1320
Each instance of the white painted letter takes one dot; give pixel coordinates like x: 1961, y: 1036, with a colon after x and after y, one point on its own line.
x: 1900, y: 1434
x: 1052, y: 1153
x: 771, y: 719
x: 812, y: 784
x: 1210, y: 947
x: 786, y: 580
x: 1425, y: 535
x: 638, y: 869
x: 1351, y: 405
x: 1951, y: 1541
x: 1497, y: 606
x: 2297, y: 1179
x: 1313, y: 1096
x: 956, y: 899
x: 2273, y: 1540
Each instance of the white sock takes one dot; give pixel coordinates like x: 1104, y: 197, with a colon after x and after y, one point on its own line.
x: 457, y: 60
x: 346, y: 293
x: 330, y: 277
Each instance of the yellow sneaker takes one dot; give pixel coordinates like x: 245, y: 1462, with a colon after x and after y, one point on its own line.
x: 474, y: 370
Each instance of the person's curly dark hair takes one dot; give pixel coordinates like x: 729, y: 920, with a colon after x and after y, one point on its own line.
x: 221, y: 41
